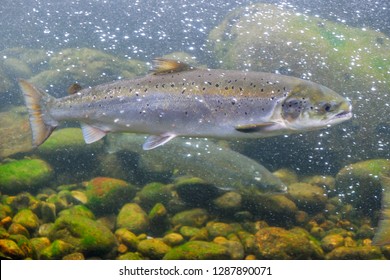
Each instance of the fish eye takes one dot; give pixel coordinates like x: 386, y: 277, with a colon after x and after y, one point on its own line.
x: 327, y: 107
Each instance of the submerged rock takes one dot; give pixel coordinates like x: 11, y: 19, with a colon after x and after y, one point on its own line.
x: 196, y: 217
x: 10, y: 250
x: 355, y: 253
x: 107, y: 195
x: 24, y: 175
x: 278, y: 243
x: 28, y: 219
x: 153, y: 248
x: 198, y: 250
x: 84, y: 234
x: 132, y: 217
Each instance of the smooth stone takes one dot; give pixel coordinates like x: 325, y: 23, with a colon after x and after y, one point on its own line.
x: 173, y: 239
x: 332, y: 241
x: 127, y: 238
x: 10, y: 250
x: 355, y: 253
x: 196, y: 217
x: 133, y: 217
x: 56, y: 250
x: 24, y: 175
x: 307, y: 197
x: 28, y: 219
x: 198, y: 250
x: 153, y: 248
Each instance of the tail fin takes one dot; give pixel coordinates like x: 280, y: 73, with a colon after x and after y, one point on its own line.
x: 41, y: 123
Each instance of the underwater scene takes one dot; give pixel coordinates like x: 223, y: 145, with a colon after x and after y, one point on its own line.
x: 195, y: 130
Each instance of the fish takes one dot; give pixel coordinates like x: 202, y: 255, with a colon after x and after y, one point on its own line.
x: 177, y: 99
x: 220, y: 166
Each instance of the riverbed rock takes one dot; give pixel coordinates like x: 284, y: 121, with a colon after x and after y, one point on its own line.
x: 278, y: 243
x: 84, y: 234
x: 24, y: 175
x: 154, y: 249
x: 355, y: 253
x: 10, y: 250
x: 196, y: 217
x: 28, y: 219
x: 133, y: 217
x: 198, y: 250
x: 107, y: 195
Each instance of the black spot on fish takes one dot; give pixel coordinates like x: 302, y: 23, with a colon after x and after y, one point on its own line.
x: 163, y: 85
x: 204, y: 89
x: 157, y: 86
x: 233, y: 102
x: 136, y: 94
x: 183, y: 91
x: 130, y: 89
x: 217, y: 85
x: 209, y: 83
x: 262, y: 90
x: 145, y: 90
x: 172, y: 85
x: 240, y: 88
x: 226, y: 88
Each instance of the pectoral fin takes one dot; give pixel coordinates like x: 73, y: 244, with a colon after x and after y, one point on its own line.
x: 155, y: 141
x: 257, y: 127
x: 91, y: 134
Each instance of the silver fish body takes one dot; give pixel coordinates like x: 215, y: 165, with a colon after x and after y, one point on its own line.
x: 178, y: 100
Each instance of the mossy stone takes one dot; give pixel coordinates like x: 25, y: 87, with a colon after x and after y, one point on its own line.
x: 355, y: 253
x: 107, y: 195
x: 198, y: 250
x: 77, y: 210
x: 127, y: 237
x: 24, y: 175
x: 15, y: 228
x: 230, y: 201
x: 84, y: 234
x: 153, y: 248
x: 130, y: 256
x: 196, y: 217
x: 25, y: 245
x: 277, y: 243
x: 133, y: 217
x: 173, y: 239
x: 155, y: 192
x: 10, y: 250
x: 332, y: 241
x: 39, y: 244
x: 56, y: 250
x: 27, y: 218
x: 219, y: 229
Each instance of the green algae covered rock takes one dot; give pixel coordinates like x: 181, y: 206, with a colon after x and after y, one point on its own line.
x: 84, y: 234
x: 130, y: 256
x: 133, y: 217
x: 196, y: 217
x: 107, y: 195
x: 28, y: 219
x: 355, y: 253
x: 354, y: 61
x: 155, y: 192
x: 25, y: 245
x: 359, y: 183
x: 198, y: 250
x: 153, y: 248
x: 24, y: 175
x: 277, y: 243
x: 10, y: 250
x: 77, y: 210
x: 56, y: 250
x: 128, y: 238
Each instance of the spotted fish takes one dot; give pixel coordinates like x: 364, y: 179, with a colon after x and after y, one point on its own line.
x: 177, y: 99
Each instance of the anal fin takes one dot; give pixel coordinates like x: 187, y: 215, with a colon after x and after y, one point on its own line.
x: 155, y: 141
x: 92, y: 134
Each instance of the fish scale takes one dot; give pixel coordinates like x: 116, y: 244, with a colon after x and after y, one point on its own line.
x: 177, y: 99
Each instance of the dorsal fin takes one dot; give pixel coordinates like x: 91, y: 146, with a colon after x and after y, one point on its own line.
x: 74, y: 88
x: 166, y: 66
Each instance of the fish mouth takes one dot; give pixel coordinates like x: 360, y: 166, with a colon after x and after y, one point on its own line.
x: 344, y: 115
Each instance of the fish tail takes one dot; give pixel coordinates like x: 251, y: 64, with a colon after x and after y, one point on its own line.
x: 42, y: 124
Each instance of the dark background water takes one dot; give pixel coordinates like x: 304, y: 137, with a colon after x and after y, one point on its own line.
x: 149, y: 28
